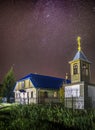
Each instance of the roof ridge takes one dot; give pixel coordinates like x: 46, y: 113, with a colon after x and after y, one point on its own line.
x: 48, y: 76
x: 29, y: 75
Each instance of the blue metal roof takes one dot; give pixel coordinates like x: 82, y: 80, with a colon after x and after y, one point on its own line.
x: 48, y: 82
x: 80, y: 55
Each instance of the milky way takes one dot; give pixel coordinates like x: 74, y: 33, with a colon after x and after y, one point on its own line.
x: 39, y: 36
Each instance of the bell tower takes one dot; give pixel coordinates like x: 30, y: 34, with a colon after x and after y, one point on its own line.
x: 80, y: 66
x: 80, y: 94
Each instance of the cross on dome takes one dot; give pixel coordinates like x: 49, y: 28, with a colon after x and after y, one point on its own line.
x: 79, y: 43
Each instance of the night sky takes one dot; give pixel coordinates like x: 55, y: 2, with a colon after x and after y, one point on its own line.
x: 39, y: 36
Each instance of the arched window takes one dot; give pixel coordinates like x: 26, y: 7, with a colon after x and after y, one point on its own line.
x: 84, y: 69
x: 75, y: 69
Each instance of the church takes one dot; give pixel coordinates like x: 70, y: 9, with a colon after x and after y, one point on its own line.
x: 80, y: 94
x: 36, y: 88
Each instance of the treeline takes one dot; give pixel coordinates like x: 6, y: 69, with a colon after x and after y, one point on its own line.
x: 44, y: 117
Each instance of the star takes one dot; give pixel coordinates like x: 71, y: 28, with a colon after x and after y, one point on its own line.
x: 47, y: 16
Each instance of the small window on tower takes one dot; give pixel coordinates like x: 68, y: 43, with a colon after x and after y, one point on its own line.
x: 75, y: 69
x: 85, y: 69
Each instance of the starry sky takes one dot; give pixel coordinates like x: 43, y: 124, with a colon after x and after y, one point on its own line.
x: 39, y: 36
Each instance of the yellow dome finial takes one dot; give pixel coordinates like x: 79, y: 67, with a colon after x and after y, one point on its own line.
x: 79, y: 43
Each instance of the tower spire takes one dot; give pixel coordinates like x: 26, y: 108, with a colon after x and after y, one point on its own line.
x: 79, y: 43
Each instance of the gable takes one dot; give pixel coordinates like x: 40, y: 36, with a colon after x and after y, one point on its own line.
x: 23, y: 84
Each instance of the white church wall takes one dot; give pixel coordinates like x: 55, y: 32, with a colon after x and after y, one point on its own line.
x: 72, y: 91
x: 91, y: 93
x: 74, y: 96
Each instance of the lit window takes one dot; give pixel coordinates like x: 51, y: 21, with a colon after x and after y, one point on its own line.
x: 55, y: 94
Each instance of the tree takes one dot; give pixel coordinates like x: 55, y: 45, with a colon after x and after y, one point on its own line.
x: 61, y: 94
x: 8, y: 84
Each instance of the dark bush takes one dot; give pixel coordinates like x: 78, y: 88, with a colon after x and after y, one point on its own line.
x: 45, y: 117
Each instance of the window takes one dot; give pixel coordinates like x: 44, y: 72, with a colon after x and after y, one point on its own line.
x: 31, y: 94
x: 27, y: 94
x: 75, y: 69
x: 45, y: 94
x: 18, y: 86
x: 84, y: 69
x: 55, y: 94
x: 22, y: 84
x: 27, y: 83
